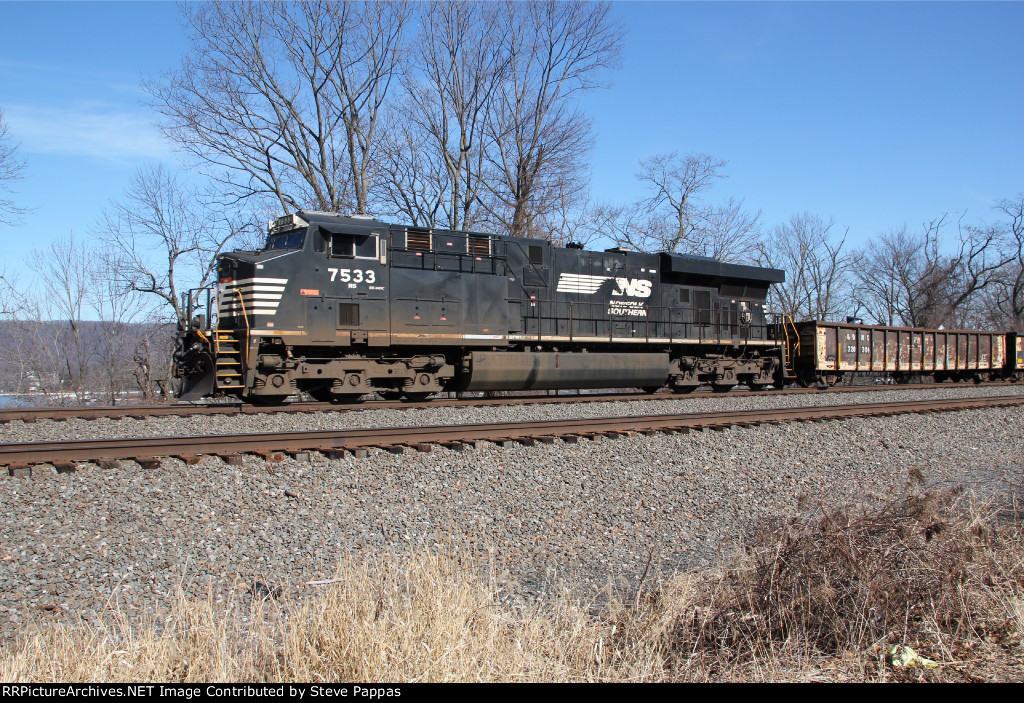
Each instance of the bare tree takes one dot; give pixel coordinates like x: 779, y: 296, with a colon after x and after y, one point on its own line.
x: 436, y: 157
x: 575, y: 220
x: 162, y: 241
x: 283, y: 100
x: 957, y: 283
x: 8, y: 295
x: 12, y: 168
x: 48, y: 341
x: 887, y: 277
x: 668, y: 218
x: 537, y: 140
x: 727, y: 232
x: 817, y: 267
x: 674, y: 216
x: 121, y: 331
x: 413, y: 183
x: 1004, y: 301
x: 915, y: 280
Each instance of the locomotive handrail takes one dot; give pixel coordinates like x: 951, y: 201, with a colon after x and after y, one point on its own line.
x: 476, y: 260
x: 241, y: 301
x: 572, y: 320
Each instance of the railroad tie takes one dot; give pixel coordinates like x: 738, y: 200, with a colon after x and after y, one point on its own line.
x: 454, y: 446
x: 149, y: 462
x: 231, y: 459
x: 19, y: 470
x: 189, y: 459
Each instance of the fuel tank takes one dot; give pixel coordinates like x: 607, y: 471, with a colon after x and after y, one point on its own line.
x: 501, y: 371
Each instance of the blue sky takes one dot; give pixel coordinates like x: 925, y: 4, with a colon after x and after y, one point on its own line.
x: 876, y: 114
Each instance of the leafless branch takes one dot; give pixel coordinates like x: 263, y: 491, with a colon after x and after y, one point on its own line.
x: 12, y: 168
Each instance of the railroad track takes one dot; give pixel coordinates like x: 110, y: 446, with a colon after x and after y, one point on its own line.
x: 142, y: 412
x: 18, y: 458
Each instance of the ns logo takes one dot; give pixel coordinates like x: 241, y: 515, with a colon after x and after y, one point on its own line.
x: 632, y: 287
x: 588, y: 285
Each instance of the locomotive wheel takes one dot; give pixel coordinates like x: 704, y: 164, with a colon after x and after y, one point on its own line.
x: 681, y: 390
x: 756, y: 386
x: 722, y: 387
x: 651, y: 390
x: 389, y: 395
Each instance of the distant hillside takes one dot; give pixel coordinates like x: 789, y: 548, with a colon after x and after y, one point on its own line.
x: 58, y: 358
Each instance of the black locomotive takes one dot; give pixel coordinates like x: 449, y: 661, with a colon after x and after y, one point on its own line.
x: 338, y: 307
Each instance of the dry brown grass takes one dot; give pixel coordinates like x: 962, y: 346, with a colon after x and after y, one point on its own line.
x: 823, y: 597
x: 811, y: 599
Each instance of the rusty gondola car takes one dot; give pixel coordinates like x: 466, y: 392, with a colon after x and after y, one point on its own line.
x: 825, y: 353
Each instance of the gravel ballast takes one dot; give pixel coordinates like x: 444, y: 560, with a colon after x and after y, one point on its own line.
x: 171, y: 426
x: 93, y: 541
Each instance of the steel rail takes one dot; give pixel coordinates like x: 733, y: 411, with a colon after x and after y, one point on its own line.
x: 143, y: 412
x: 25, y: 453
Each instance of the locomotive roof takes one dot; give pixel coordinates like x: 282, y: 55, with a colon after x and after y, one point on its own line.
x: 676, y: 263
x: 704, y: 266
x: 333, y: 218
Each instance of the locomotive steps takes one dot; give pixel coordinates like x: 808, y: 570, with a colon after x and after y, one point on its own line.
x: 19, y: 458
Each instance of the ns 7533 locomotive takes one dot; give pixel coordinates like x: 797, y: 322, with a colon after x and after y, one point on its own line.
x: 338, y: 307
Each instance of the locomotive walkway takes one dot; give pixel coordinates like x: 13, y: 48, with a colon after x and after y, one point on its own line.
x: 18, y: 458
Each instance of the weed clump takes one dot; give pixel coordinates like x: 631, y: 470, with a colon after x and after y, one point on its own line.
x: 936, y: 571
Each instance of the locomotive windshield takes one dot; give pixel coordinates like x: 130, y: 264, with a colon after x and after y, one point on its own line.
x: 286, y: 240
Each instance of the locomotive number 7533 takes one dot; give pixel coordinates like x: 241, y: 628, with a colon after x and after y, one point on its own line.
x: 354, y: 275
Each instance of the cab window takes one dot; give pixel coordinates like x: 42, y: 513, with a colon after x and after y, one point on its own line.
x: 286, y: 240
x: 358, y: 246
